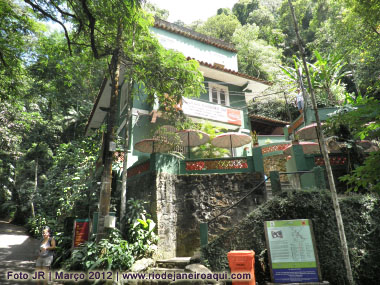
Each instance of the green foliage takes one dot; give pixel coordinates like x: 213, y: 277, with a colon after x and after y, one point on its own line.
x: 156, y: 11
x: 243, y: 8
x: 36, y: 224
x: 17, y: 28
x: 348, y: 34
x: 113, y: 253
x: 208, y: 150
x: 139, y: 228
x: 116, y: 253
x: 255, y: 56
x: 361, y: 121
x: 276, y: 109
x: 361, y: 217
x: 221, y: 26
x: 156, y: 67
x: 365, y: 176
x: 325, y: 76
x: 69, y: 185
x: 368, y: 11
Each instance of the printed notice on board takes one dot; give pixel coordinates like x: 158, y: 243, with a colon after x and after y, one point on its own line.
x: 81, y: 231
x: 292, y: 251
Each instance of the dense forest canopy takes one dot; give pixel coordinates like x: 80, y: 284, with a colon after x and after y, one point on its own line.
x: 49, y: 79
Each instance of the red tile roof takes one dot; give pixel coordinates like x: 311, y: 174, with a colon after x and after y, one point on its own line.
x: 161, y: 24
x: 254, y: 116
x: 231, y: 71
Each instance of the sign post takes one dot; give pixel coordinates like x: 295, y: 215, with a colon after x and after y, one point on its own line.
x: 292, y: 252
x: 81, y: 231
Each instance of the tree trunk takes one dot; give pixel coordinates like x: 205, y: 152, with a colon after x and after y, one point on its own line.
x: 123, y: 201
x: 35, y: 187
x: 106, y: 181
x: 326, y: 158
x: 128, y: 122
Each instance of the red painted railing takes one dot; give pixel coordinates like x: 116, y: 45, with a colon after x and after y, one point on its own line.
x: 334, y: 160
x: 273, y: 148
x: 225, y: 164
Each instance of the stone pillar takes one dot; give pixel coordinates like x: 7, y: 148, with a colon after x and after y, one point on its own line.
x: 166, y: 215
x: 299, y: 157
x: 319, y: 177
x: 300, y: 181
x: 275, y: 182
x: 258, y: 160
x: 203, y: 227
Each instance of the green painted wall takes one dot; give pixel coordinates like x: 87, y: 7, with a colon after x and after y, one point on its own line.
x: 274, y: 139
x: 142, y: 128
x: 196, y: 49
x: 323, y: 114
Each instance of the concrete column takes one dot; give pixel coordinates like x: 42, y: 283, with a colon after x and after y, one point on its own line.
x: 275, y: 182
x: 319, y: 177
x: 299, y: 157
x: 258, y: 160
x: 204, y: 234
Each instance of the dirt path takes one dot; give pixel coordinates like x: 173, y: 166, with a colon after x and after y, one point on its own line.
x: 18, y: 253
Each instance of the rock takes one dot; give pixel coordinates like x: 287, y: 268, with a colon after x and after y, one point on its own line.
x: 197, y: 268
x: 196, y: 258
x: 142, y: 265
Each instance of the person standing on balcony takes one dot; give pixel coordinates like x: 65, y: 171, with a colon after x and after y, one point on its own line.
x: 299, y: 100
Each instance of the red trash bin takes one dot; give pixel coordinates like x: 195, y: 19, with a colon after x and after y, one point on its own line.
x: 240, y: 262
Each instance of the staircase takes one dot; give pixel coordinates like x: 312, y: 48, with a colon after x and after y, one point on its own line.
x: 165, y: 268
x: 177, y: 265
x: 268, y: 187
x: 285, y: 186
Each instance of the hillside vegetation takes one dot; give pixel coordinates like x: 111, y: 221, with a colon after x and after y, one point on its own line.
x: 361, y: 216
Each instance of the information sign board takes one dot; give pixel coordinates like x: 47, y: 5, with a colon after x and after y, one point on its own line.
x: 213, y: 112
x: 292, y: 251
x: 81, y: 231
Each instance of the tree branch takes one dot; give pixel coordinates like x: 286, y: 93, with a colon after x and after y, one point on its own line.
x: 2, y: 59
x: 48, y: 15
x: 63, y: 12
x: 374, y: 29
x: 92, y: 22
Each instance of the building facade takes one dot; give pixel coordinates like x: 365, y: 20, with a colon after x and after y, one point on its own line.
x: 224, y: 104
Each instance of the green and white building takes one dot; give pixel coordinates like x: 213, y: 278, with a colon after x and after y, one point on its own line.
x: 223, y: 105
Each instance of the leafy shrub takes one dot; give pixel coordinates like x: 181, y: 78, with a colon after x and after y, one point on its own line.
x: 63, y: 249
x: 361, y: 217
x: 113, y: 253
x: 35, y: 224
x: 276, y: 109
x: 140, y: 229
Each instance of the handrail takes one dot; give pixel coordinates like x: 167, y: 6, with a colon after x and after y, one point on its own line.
x: 296, y: 172
x: 238, y: 202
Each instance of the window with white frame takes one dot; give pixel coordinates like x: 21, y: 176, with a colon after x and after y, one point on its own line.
x: 219, y: 94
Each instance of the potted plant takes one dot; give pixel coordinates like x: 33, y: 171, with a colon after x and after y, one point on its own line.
x: 255, y: 138
x: 296, y: 139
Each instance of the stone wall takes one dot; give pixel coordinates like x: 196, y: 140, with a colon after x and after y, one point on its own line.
x: 180, y: 203
x: 159, y: 191
x: 201, y: 197
x: 275, y: 163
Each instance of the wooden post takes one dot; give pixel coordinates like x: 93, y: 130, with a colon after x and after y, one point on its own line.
x: 325, y: 154
x: 204, y: 233
x: 105, y: 191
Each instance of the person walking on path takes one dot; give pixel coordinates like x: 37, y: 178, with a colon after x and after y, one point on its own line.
x: 46, y: 253
x: 17, y: 254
